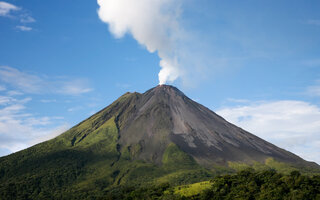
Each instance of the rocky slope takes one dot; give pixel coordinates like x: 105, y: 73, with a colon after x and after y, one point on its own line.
x: 164, y: 115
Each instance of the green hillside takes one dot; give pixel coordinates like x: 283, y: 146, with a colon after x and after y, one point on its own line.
x: 86, y: 161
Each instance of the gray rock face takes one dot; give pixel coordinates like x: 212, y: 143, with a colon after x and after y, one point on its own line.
x: 164, y: 114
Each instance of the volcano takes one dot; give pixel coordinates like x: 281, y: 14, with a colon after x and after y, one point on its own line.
x: 164, y: 115
x: 155, y: 137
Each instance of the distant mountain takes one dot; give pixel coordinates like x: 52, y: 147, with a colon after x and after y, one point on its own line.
x: 151, y: 138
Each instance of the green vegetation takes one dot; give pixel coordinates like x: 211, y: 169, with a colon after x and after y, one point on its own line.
x: 192, y: 189
x: 173, y: 157
x: 70, y: 174
x: 246, y: 184
x: 87, y: 162
x: 268, y: 184
x: 270, y: 163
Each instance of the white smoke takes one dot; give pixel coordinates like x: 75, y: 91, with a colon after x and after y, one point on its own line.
x: 153, y: 23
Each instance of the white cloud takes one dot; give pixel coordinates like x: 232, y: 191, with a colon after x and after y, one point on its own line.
x: 186, y: 54
x: 293, y: 125
x: 153, y: 23
x: 27, y: 19
x: 74, y: 87
x: 48, y: 100
x: 2, y: 88
x: 73, y: 109
x: 49, y: 134
x: 24, y: 81
x: 35, y: 84
x: 238, y: 100
x: 5, y: 100
x: 19, y: 129
x: 6, y: 8
x: 14, y: 93
x: 22, y: 15
x: 24, y: 28
x: 159, y: 26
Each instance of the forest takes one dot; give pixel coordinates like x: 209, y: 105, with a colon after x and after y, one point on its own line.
x: 246, y: 184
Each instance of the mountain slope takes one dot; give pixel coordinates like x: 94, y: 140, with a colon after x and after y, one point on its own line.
x: 151, y: 138
x: 165, y: 114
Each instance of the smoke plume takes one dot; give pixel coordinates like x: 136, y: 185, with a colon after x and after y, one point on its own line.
x: 154, y: 24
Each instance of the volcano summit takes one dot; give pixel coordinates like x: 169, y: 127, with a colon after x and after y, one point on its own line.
x: 155, y: 137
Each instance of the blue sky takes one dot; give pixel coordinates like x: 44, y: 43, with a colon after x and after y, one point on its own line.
x: 256, y: 63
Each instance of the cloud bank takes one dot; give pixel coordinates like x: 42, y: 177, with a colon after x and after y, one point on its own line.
x: 20, y: 129
x: 154, y: 24
x: 35, y: 84
x: 293, y: 125
x: 19, y: 126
